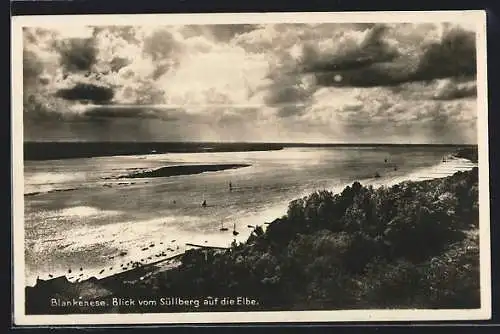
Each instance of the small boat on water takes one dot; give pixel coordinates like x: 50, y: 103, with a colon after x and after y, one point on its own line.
x: 235, y: 233
x: 222, y: 228
x: 377, y: 175
x: 204, y: 204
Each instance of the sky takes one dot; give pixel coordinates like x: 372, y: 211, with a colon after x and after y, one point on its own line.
x: 330, y: 83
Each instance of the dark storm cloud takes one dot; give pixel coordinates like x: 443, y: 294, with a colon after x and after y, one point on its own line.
x: 455, y: 56
x: 77, y: 54
x: 372, y: 50
x: 161, y: 45
x: 86, y: 92
x: 375, y: 64
x: 381, y: 74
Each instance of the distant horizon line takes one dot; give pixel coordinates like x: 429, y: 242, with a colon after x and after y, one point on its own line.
x: 242, y: 142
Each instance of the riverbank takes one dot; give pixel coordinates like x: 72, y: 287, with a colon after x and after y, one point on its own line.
x: 360, y: 248
x: 71, y: 150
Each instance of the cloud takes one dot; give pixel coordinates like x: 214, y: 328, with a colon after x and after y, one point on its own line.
x: 291, y: 82
x: 384, y: 58
x: 77, y: 54
x: 382, y: 115
x: 371, y: 49
x: 161, y: 45
x: 453, y: 56
x: 439, y: 89
x: 218, y: 32
x: 137, y: 111
x: 86, y: 92
x: 453, y: 91
x: 117, y: 63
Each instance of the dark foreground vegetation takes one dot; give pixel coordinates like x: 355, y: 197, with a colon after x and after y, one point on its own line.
x: 409, y: 246
x: 412, y: 245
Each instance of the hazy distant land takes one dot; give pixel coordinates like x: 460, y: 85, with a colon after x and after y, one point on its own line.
x: 70, y: 150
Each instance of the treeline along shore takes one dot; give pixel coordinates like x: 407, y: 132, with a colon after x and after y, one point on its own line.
x: 409, y: 246
x: 70, y: 150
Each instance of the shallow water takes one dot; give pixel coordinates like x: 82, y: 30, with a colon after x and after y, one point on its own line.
x: 97, y: 219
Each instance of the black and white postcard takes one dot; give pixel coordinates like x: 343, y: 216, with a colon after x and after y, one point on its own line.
x: 263, y: 167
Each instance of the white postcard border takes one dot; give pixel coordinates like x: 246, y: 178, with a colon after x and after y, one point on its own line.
x: 19, y: 316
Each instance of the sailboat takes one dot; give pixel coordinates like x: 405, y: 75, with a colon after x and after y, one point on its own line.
x: 235, y: 233
x: 222, y: 228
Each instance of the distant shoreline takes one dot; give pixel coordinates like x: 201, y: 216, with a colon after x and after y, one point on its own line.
x: 37, y: 151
